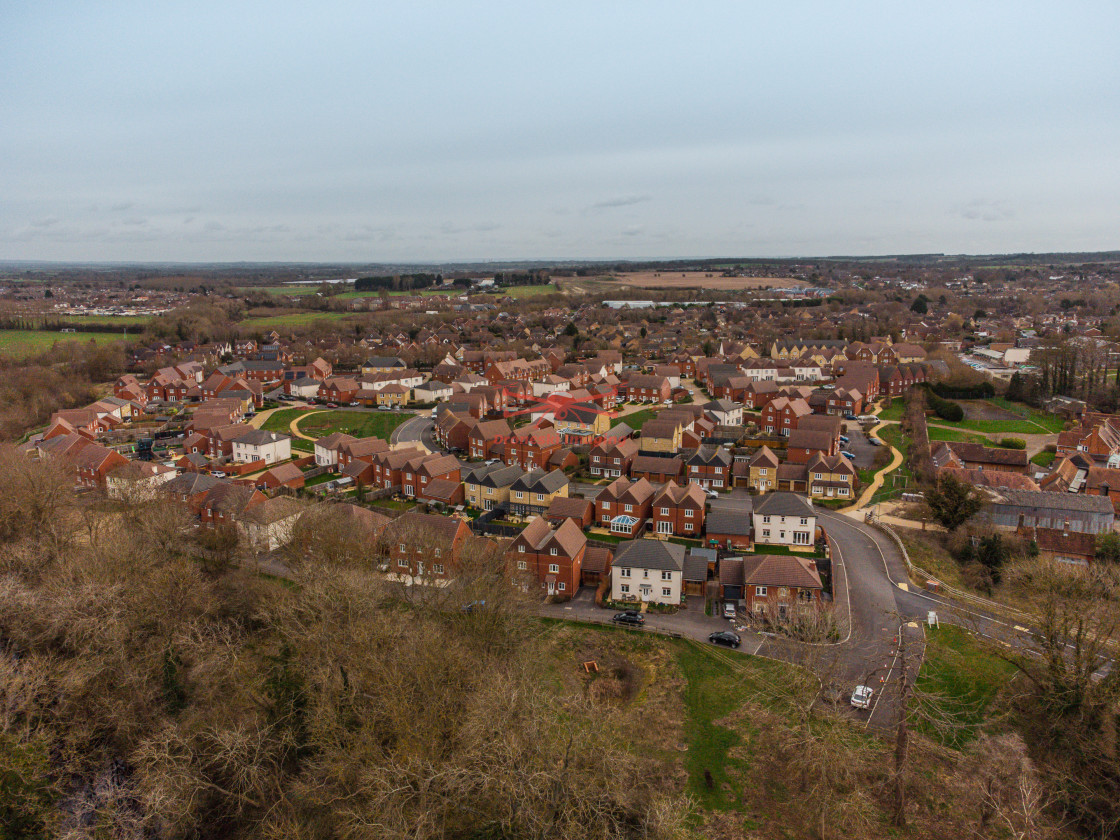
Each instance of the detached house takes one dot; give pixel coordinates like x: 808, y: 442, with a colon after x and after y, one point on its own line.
x: 710, y: 467
x: 553, y: 559
x: 531, y: 448
x: 259, y: 445
x: 624, y: 506
x: 612, y: 459
x: 770, y: 585
x: 678, y: 511
x: 764, y: 470
x: 780, y: 416
x: 830, y: 477
x: 648, y: 570
x: 784, y: 519
x: 423, y: 547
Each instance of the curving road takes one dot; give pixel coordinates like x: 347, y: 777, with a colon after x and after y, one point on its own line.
x: 418, y: 430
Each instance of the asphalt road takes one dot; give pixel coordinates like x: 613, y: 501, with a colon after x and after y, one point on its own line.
x: 417, y: 430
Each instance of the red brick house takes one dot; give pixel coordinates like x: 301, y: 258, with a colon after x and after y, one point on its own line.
x: 624, y: 506
x: 423, y: 547
x: 656, y: 469
x: 93, y: 462
x: 710, y: 467
x: 281, y: 475
x: 804, y: 444
x: 612, y: 458
x: 645, y: 388
x: 771, y: 585
x: 678, y: 510
x: 553, y: 559
x: 484, y: 436
x: 531, y: 448
x: 781, y: 415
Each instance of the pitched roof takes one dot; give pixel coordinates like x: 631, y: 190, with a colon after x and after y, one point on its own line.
x: 780, y: 570
x: 650, y: 554
x: 783, y: 504
x: 731, y: 522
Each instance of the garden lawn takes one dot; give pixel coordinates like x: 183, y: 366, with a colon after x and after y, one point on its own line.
x: 959, y: 678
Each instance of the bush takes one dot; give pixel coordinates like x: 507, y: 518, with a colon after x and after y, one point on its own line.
x: 945, y: 409
x: 1013, y: 443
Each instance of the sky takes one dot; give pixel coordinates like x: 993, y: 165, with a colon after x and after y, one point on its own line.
x: 439, y: 131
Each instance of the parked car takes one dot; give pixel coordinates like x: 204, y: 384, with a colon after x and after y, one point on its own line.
x: 384, y: 408
x: 861, y: 697
x: 631, y: 617
x: 874, y: 441
x: 729, y: 611
x: 851, y: 456
x: 850, y: 416
x: 844, y: 439
x: 217, y: 474
x: 725, y: 638
x: 712, y: 494
x: 332, y: 405
x: 355, y: 402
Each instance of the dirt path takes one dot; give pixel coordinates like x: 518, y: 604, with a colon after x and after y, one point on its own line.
x: 880, y: 476
x: 293, y: 427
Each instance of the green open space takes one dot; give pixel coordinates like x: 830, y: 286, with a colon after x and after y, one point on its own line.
x: 959, y: 679
x: 319, y: 424
x: 896, y: 411
x: 286, y: 320
x: 1052, y: 422
x: 523, y: 292
x: 19, y: 344
x: 1044, y: 458
x: 638, y: 419
x: 947, y: 433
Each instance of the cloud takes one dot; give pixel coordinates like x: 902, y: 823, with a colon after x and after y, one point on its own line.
x: 121, y: 207
x: 620, y: 201
x: 449, y: 229
x: 985, y: 211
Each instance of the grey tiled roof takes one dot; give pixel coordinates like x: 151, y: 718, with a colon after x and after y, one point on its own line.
x: 650, y: 554
x: 783, y: 504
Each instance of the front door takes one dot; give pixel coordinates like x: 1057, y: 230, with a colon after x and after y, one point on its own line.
x: 550, y: 587
x: 646, y: 590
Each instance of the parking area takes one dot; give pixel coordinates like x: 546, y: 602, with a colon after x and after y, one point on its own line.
x: 859, y: 446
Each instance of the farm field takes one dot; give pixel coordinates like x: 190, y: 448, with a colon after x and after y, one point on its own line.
x: 697, y: 280
x: 19, y: 344
x: 292, y: 319
x: 523, y: 292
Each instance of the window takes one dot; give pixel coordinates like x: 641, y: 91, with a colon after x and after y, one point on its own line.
x: 664, y: 511
x: 624, y: 588
x: 695, y: 469
x: 562, y: 586
x: 437, y: 568
x: 800, y: 537
x: 816, y: 477
x: 629, y: 508
x: 766, y: 533
x: 766, y: 520
x: 402, y: 563
x: 625, y: 572
x: 688, y: 514
x: 400, y: 548
x: 552, y: 551
x: 666, y: 591
x: 595, y: 459
x: 606, y: 505
x: 522, y: 565
x: 843, y: 491
x: 666, y: 575
x: 518, y: 494
x: 553, y: 568
x: 521, y: 549
x: 437, y: 552
x: 804, y: 520
x: 760, y: 592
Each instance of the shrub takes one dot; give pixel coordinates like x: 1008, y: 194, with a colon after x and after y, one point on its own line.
x: 1013, y: 443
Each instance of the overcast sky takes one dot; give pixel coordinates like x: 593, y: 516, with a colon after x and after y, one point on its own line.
x: 417, y: 131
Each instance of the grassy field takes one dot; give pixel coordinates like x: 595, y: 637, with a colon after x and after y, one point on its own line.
x: 893, y: 435
x: 523, y: 292
x: 895, y: 412
x: 959, y: 679
x: 322, y: 423
x: 112, y: 320
x: 1030, y: 421
x: 1052, y: 422
x: 638, y: 419
x: 1044, y: 459
x: 19, y: 344
x: 691, y: 698
x: 948, y: 433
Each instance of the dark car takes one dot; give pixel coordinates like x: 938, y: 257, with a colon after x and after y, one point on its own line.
x: 629, y: 617
x: 725, y: 638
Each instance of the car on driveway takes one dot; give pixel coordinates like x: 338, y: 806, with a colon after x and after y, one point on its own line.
x: 332, y: 405
x: 729, y: 611
x: 631, y: 617
x: 725, y: 638
x: 712, y: 494
x: 861, y: 697
x: 851, y: 456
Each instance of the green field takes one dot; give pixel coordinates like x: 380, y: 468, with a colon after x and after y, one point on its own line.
x: 1044, y: 459
x: 895, y: 412
x: 19, y: 344
x: 638, y: 419
x: 959, y: 679
x: 1052, y: 422
x: 319, y: 424
x: 112, y: 320
x: 949, y: 433
x: 523, y: 292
